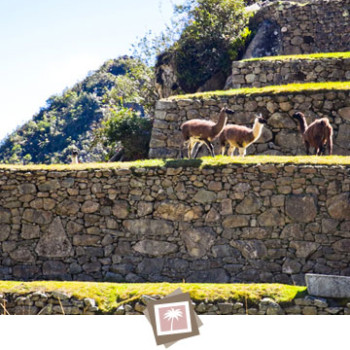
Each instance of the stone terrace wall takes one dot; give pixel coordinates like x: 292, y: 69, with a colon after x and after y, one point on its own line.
x: 58, y: 303
x: 256, y: 223
x: 281, y: 136
x: 317, y: 26
x: 280, y: 72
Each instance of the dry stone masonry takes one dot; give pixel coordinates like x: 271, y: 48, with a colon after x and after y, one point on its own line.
x: 315, y: 26
x: 281, y: 135
x: 281, y: 28
x: 258, y: 73
x: 234, y: 223
x: 59, y: 303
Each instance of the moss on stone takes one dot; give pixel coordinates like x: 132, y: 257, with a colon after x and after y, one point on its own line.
x: 315, y: 56
x: 270, y: 90
x: 204, y: 162
x: 109, y: 296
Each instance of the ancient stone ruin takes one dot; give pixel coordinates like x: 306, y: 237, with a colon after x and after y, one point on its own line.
x: 221, y: 224
x: 318, y: 26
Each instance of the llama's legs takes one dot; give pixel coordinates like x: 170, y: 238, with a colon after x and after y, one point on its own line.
x: 190, y: 147
x: 307, y: 146
x: 189, y: 151
x: 223, y: 149
x: 210, y: 147
x: 242, y: 152
x: 231, y: 151
x: 182, y: 145
x: 197, y: 148
x: 320, y: 150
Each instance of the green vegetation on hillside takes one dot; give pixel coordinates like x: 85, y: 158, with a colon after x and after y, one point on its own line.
x: 70, y: 120
x: 110, y: 295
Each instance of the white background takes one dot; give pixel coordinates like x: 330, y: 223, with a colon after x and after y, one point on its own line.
x: 134, y: 332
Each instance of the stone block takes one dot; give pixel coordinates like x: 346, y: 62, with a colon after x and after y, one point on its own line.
x: 155, y: 248
x: 251, y: 204
x: 198, y: 241
x: 233, y: 221
x: 90, y: 207
x: 301, y: 208
x: 328, y: 286
x: 339, y: 206
x: 250, y: 249
x: 304, y: 249
x: 148, y: 227
x: 54, y: 243
x: 271, y: 217
x: 204, y: 196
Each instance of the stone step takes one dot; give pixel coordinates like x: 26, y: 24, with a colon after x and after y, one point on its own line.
x: 282, y: 70
x: 329, y: 286
x: 277, y: 104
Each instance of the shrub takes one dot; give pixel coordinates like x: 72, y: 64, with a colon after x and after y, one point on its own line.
x: 214, y: 37
x: 127, y: 128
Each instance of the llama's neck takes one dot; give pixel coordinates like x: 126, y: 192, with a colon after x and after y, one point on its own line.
x: 257, y: 129
x: 302, y: 123
x: 75, y: 159
x: 217, y: 128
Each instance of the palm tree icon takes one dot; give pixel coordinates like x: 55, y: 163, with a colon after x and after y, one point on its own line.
x: 173, y: 314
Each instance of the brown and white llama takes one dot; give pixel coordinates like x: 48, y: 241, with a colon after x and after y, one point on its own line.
x: 203, y: 132
x: 318, y: 134
x: 240, y: 136
x: 74, y: 157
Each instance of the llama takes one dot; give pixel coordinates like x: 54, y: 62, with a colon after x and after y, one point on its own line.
x: 239, y: 136
x: 317, y: 134
x: 203, y: 132
x: 74, y: 157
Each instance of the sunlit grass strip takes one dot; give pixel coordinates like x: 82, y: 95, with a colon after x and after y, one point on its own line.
x: 109, y: 295
x: 314, y: 56
x: 203, y: 162
x: 268, y: 90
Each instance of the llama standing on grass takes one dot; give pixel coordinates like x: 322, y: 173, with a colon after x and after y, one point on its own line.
x: 203, y: 132
x: 317, y: 134
x: 239, y: 136
x: 74, y: 157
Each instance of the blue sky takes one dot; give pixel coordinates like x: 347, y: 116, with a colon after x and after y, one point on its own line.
x: 48, y: 45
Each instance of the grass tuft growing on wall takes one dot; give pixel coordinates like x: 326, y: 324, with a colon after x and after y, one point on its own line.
x: 204, y: 162
x: 314, y: 56
x: 269, y: 90
x: 109, y: 296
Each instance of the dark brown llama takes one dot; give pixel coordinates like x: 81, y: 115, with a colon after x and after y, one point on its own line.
x: 318, y: 134
x: 203, y: 132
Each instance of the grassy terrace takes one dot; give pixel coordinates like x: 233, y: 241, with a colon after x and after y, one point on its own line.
x: 315, y: 56
x: 109, y: 296
x: 205, y: 162
x: 270, y: 90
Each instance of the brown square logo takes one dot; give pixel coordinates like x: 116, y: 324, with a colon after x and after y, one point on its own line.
x: 173, y: 318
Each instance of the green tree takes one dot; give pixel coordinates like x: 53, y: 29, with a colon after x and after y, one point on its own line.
x: 203, y: 37
x: 210, y: 41
x: 126, y: 128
